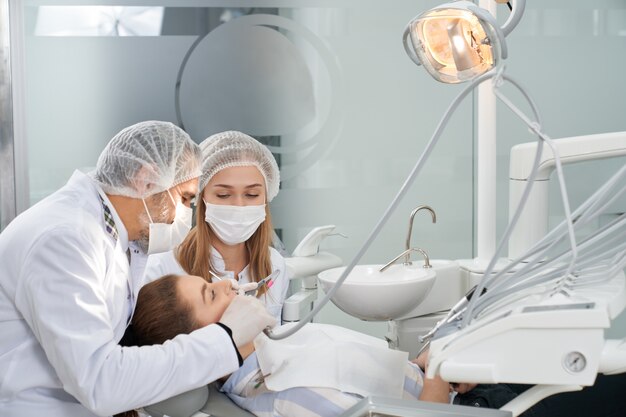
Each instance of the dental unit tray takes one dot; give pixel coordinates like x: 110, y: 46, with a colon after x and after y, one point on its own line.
x: 542, y: 318
x: 555, y: 340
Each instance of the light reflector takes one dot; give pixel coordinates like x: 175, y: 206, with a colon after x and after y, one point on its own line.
x: 455, y: 42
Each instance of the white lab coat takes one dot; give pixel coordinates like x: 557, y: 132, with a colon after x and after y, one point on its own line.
x: 138, y: 260
x: 65, y: 299
x: 165, y: 263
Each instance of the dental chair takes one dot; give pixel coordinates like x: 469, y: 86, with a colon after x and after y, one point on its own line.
x: 304, y: 264
x: 201, y: 402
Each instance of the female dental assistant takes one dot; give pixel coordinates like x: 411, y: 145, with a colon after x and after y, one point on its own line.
x: 66, y: 293
x: 233, y: 226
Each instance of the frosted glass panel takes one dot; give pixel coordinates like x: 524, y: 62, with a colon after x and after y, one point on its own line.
x: 241, y: 88
x: 81, y: 91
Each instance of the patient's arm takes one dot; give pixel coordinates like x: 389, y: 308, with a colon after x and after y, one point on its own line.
x: 421, y: 359
x: 435, y: 390
x: 436, y: 386
x: 244, y: 351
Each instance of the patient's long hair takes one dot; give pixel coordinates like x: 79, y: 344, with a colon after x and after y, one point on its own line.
x: 159, y: 316
x: 193, y: 254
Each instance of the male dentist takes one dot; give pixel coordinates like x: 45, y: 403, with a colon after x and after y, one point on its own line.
x: 67, y: 293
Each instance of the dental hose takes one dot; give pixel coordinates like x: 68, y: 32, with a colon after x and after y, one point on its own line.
x: 536, y: 128
x: 390, y: 209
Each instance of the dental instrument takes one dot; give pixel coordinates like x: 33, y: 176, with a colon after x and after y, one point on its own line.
x: 215, y: 275
x: 268, y: 280
x: 251, y: 288
x: 452, y: 313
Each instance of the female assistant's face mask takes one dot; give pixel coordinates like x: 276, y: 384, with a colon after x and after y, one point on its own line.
x: 164, y: 237
x: 234, y: 224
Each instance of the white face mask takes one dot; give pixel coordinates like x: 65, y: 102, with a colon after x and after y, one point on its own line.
x: 164, y: 237
x: 234, y: 224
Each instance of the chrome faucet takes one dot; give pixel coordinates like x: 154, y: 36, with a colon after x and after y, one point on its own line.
x: 407, y: 258
x: 406, y: 253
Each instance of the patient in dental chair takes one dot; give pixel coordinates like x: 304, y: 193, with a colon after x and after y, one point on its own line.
x: 247, y: 387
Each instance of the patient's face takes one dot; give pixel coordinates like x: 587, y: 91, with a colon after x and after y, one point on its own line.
x: 207, y: 301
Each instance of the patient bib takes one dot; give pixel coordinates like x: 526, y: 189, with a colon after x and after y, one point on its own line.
x: 323, y: 355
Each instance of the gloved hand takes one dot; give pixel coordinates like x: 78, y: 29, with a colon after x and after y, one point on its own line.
x: 246, y: 317
x: 241, y: 289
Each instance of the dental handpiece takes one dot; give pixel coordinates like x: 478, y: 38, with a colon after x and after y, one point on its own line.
x: 452, y: 315
x: 463, y: 301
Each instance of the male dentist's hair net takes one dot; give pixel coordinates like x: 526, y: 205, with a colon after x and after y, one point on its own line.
x: 147, y: 158
x: 232, y: 148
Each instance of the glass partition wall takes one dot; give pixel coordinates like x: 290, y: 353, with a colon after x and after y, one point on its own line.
x: 7, y: 183
x: 327, y: 85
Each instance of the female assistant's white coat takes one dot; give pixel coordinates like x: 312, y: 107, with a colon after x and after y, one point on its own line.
x: 65, y: 299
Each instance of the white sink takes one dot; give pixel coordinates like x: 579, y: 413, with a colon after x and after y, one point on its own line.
x: 450, y: 286
x: 371, y: 295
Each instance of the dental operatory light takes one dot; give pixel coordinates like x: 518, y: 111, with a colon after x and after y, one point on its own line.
x: 455, y: 42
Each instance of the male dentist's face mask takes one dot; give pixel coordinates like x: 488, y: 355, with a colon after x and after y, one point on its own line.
x: 234, y: 224
x: 163, y: 236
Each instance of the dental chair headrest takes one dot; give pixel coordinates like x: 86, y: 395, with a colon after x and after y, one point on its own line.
x: 182, y: 405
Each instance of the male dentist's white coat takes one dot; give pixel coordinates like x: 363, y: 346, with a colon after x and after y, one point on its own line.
x: 65, y: 300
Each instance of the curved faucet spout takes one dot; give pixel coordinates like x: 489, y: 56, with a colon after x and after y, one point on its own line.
x: 408, y: 236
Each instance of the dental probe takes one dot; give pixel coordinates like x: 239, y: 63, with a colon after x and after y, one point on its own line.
x: 215, y: 275
x: 268, y: 280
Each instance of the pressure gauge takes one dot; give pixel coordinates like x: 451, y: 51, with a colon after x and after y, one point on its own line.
x: 574, y: 362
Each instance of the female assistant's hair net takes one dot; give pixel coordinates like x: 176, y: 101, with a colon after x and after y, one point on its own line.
x: 232, y: 148
x: 147, y: 158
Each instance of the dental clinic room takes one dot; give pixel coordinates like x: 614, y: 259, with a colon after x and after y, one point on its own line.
x: 312, y: 208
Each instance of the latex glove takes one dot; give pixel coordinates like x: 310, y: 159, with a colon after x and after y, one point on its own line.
x: 246, y: 317
x: 241, y: 289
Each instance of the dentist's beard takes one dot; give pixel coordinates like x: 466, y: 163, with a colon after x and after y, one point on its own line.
x: 144, y: 238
